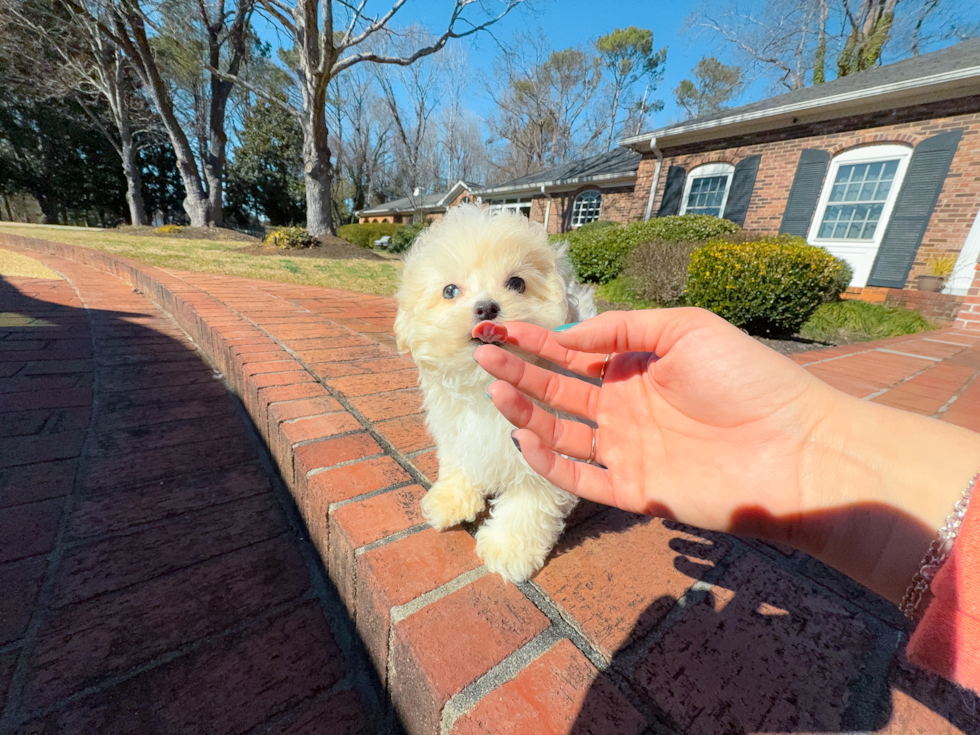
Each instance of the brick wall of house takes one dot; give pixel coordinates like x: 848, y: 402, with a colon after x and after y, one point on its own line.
x: 780, y: 149
x: 940, y: 307
x: 969, y: 316
x: 618, y: 205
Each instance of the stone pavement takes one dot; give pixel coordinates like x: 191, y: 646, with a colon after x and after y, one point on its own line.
x: 153, y: 579
x: 635, y: 625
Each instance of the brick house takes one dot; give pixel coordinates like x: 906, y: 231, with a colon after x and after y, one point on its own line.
x: 568, y: 196
x: 882, y: 168
x: 418, y: 207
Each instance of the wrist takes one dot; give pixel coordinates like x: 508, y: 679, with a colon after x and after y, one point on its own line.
x: 876, y: 484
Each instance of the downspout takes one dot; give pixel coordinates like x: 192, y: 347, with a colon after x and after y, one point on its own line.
x: 547, y: 209
x: 656, y: 178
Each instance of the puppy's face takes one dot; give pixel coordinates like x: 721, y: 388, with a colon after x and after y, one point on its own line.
x: 473, y: 267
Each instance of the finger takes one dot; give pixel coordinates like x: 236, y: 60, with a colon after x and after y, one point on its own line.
x: 649, y: 330
x: 579, y: 478
x: 541, y: 342
x: 563, y: 436
x: 558, y: 391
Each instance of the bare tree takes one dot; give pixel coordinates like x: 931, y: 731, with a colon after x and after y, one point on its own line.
x: 329, y: 37
x: 713, y: 86
x: 870, y: 23
x: 134, y: 29
x: 90, y: 68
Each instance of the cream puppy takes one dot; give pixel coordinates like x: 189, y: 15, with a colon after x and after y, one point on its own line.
x: 477, y: 266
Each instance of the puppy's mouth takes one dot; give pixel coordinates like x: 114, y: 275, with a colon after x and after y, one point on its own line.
x: 489, y: 333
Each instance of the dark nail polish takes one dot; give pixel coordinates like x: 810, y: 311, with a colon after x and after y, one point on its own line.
x: 516, y: 443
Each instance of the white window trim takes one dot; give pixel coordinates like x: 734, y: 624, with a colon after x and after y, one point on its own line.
x: 843, y: 248
x: 579, y: 196
x: 705, y: 171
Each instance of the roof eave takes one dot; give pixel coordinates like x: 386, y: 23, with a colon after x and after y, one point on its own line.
x: 948, y: 85
x: 611, y: 178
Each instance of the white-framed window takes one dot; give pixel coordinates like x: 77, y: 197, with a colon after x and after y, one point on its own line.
x: 855, y: 203
x: 586, y: 208
x: 522, y: 206
x: 706, y: 189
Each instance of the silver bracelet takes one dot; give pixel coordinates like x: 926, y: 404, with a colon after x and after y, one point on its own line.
x: 935, y: 557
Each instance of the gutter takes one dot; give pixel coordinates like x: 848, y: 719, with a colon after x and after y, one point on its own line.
x: 860, y: 95
x: 656, y: 177
x: 626, y: 176
x: 547, y: 209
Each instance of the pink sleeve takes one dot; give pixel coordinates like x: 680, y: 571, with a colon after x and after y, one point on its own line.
x: 947, y: 640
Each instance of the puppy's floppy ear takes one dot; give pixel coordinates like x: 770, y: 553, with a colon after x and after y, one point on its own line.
x: 401, y: 333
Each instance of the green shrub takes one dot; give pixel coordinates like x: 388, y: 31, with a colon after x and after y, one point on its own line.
x: 403, y: 239
x: 290, y: 238
x: 767, y: 287
x: 599, y: 254
x: 858, y: 321
x: 365, y: 234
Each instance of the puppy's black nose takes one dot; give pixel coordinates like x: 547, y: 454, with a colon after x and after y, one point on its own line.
x: 486, y: 310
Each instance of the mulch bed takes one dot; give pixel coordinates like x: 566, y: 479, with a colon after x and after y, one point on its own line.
x: 189, y: 233
x: 329, y: 247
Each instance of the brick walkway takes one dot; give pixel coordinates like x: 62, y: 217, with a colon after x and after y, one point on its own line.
x: 152, y: 580
x: 709, y: 634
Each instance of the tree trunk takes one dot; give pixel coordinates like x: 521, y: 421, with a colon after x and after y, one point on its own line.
x: 318, y: 175
x: 214, y: 161
x: 134, y: 179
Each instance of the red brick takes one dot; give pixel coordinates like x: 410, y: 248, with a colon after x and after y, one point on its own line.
x: 617, y: 577
x: 275, y: 366
x: 389, y: 405
x: 233, y: 684
x: 560, y: 692
x: 158, y: 436
x: 277, y: 393
x: 20, y: 581
x: 764, y: 652
x: 343, y: 483
x: 357, y: 524
x: 407, y: 434
x: 163, y: 614
x: 119, y: 561
x: 300, y: 430
x: 107, y: 511
x: 328, y: 370
x: 304, y: 408
x: 399, y: 572
x: 362, y: 385
x: 291, y: 377
x: 428, y: 464
x: 30, y: 483
x: 449, y: 643
x: 67, y: 398
x: 28, y: 530
x: 330, y: 452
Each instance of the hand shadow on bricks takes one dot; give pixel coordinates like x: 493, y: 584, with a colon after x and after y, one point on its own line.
x: 771, y: 642
x: 184, y: 591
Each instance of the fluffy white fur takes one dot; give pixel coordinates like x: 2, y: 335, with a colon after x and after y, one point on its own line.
x: 479, y: 252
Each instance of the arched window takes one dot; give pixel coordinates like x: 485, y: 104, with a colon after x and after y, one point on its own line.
x: 586, y: 208
x: 706, y: 189
x: 857, y: 199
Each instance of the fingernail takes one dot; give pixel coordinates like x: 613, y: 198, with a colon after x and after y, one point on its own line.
x: 563, y: 327
x: 516, y: 443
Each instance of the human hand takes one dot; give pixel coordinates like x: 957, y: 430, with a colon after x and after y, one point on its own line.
x: 696, y: 420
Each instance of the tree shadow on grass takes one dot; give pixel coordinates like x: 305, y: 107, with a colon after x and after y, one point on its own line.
x: 773, y: 642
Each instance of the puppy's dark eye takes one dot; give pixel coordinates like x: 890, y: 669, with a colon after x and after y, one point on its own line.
x: 452, y: 291
x: 516, y: 284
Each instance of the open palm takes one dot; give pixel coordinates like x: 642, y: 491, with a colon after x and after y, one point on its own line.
x: 696, y: 420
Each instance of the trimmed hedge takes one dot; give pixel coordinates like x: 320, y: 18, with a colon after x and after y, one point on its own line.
x: 767, y: 287
x: 405, y: 237
x: 365, y: 234
x: 657, y: 270
x: 599, y: 253
x: 291, y: 238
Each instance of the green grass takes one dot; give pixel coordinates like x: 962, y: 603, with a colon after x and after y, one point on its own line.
x: 859, y: 321
x: 211, y: 256
x: 619, y: 293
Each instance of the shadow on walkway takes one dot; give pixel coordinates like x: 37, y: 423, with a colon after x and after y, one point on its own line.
x: 156, y: 576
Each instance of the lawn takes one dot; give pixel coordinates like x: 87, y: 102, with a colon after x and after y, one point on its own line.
x: 224, y: 257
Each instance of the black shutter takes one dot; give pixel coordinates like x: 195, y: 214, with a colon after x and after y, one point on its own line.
x: 743, y: 181
x: 673, y: 192
x: 805, y: 192
x: 913, y: 208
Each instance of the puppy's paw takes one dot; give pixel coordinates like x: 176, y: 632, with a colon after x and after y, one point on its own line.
x: 508, y: 556
x: 451, y: 501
